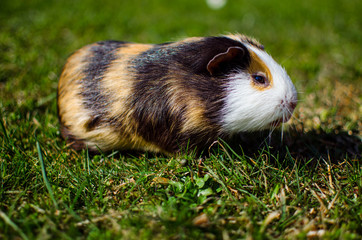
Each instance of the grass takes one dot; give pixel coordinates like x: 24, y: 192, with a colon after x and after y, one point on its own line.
x: 310, y: 186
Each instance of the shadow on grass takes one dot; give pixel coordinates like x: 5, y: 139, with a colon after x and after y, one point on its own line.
x: 304, y: 146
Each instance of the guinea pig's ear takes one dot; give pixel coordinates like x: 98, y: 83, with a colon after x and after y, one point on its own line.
x: 215, y: 64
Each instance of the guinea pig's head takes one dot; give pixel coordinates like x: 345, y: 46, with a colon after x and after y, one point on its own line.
x: 259, y: 93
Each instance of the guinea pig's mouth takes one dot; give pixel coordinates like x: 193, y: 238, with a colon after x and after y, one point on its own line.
x: 286, y: 115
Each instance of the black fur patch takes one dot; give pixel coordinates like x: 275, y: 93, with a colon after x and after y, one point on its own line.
x: 152, y: 109
x: 92, y: 123
x: 101, y: 55
x: 196, y: 55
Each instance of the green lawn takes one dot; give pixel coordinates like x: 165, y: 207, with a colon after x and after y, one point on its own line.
x: 310, y: 186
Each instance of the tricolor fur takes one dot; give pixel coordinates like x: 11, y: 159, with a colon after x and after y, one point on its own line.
x: 165, y: 97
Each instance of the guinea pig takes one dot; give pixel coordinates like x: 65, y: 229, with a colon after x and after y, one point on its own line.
x: 171, y: 96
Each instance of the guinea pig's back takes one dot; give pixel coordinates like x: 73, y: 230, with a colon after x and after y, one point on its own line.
x: 94, y: 89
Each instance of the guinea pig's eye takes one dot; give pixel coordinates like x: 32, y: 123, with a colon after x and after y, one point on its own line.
x: 260, y: 78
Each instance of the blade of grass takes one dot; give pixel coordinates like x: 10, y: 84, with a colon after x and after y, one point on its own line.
x: 6, y: 137
x: 255, y: 198
x: 45, y: 178
x: 13, y: 225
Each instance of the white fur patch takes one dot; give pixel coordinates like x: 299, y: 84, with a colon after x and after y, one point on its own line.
x: 249, y: 109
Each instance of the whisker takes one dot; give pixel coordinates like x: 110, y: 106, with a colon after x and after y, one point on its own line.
x: 282, y: 133
x: 295, y: 118
x: 290, y: 112
x: 264, y: 140
x: 270, y: 136
x: 271, y: 130
x: 287, y: 58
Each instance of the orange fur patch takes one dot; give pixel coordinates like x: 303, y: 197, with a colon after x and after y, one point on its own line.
x: 257, y: 65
